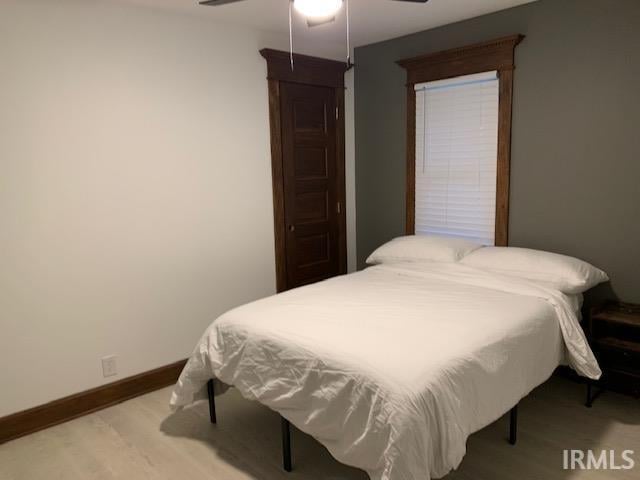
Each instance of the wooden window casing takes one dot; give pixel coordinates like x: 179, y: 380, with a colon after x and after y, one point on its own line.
x: 496, y: 55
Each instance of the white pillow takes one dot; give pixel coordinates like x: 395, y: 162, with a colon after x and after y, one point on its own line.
x: 422, y: 248
x: 567, y: 274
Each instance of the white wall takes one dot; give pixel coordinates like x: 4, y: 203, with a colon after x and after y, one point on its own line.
x: 135, y: 188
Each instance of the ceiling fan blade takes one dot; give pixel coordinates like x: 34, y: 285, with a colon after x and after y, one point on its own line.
x: 216, y: 3
x: 314, y: 22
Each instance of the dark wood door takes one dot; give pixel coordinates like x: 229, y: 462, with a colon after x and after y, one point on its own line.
x: 312, y: 205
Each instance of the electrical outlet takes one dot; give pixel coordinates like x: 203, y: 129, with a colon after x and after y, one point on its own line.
x: 109, y: 366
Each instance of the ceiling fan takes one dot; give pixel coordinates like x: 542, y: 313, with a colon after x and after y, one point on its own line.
x: 317, y: 12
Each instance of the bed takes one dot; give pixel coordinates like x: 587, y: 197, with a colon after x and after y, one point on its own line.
x: 393, y: 367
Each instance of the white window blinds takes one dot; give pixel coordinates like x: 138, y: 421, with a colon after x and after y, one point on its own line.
x: 456, y: 157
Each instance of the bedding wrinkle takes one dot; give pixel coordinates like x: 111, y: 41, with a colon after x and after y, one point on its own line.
x: 393, y: 367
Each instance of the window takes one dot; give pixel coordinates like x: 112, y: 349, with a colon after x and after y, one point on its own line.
x: 456, y: 156
x: 459, y: 140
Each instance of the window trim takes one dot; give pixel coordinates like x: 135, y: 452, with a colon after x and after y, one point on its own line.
x: 497, y: 54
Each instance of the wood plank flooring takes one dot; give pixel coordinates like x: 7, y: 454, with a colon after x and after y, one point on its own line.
x: 142, y: 439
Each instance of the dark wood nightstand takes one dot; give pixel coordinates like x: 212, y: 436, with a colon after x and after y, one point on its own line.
x: 614, y: 334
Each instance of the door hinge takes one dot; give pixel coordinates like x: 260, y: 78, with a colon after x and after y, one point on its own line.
x: 337, y: 113
x: 339, y: 208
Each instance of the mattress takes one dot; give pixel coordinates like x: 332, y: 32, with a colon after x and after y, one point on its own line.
x: 393, y: 367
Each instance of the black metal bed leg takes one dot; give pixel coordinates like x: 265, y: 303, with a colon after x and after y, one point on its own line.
x: 513, y: 425
x: 212, y: 402
x: 594, y: 390
x: 286, y: 445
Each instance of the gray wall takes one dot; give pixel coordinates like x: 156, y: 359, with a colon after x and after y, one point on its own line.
x: 575, y: 182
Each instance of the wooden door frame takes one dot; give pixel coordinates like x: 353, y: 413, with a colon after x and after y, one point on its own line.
x: 497, y: 54
x: 307, y: 71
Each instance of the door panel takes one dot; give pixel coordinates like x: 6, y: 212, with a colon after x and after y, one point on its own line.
x: 310, y: 178
x: 310, y: 114
x: 311, y: 162
x: 311, y: 207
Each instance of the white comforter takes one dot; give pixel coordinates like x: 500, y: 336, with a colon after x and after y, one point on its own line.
x: 392, y: 368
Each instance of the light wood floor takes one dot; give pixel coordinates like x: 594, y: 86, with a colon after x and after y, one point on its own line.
x: 142, y: 439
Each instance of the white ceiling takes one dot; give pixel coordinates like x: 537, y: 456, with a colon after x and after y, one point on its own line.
x: 371, y: 20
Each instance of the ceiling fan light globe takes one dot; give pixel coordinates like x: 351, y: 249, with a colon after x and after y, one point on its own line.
x: 316, y: 9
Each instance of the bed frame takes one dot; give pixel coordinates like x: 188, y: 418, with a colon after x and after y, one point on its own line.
x: 286, y: 428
